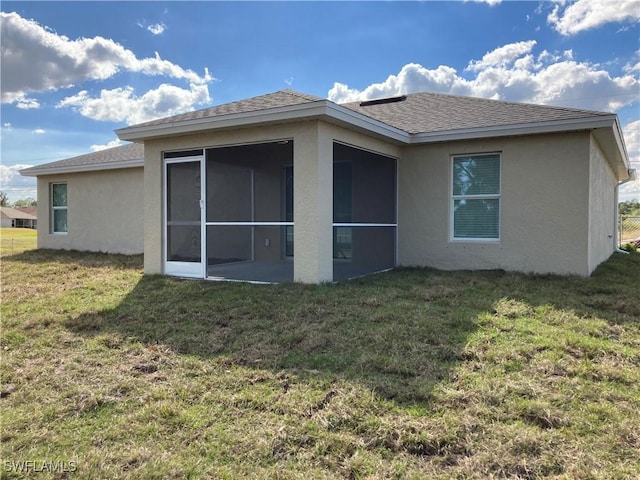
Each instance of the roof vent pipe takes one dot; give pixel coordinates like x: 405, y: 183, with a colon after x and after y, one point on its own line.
x: 381, y: 101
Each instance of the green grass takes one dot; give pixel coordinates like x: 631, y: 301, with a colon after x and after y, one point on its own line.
x: 15, y: 240
x: 414, y: 373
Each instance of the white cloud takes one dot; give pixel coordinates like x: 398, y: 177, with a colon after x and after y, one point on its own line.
x: 25, y: 103
x: 631, y: 131
x: 512, y: 72
x: 111, y: 144
x: 38, y: 131
x: 413, y: 77
x: 571, y: 18
x: 630, y: 66
x: 491, y: 3
x: 6, y: 125
x: 157, y: 29
x: 35, y: 59
x: 15, y: 185
x: 502, y: 56
x: 121, y: 104
x: 8, y: 173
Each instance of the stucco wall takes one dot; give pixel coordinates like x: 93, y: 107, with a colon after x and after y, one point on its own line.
x: 544, y: 206
x: 601, y: 207
x: 104, y: 212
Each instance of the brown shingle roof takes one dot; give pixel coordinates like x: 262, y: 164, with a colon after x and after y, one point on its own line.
x: 31, y: 210
x: 414, y: 114
x: 434, y: 112
x: 123, y: 153
x: 13, y: 213
x: 282, y: 98
x: 417, y: 113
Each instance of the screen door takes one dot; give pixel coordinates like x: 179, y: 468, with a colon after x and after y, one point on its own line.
x: 184, y: 209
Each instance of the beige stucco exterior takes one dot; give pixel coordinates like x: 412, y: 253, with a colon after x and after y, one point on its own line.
x: 104, y: 211
x: 602, y: 206
x: 557, y: 212
x: 545, y: 206
x: 313, y: 179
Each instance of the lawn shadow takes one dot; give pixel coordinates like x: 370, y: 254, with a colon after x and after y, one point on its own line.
x: 397, y: 333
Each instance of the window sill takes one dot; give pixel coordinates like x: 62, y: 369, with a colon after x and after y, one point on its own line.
x: 491, y: 241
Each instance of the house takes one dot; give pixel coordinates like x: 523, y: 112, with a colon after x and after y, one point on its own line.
x: 288, y: 186
x: 102, y: 194
x: 17, y: 218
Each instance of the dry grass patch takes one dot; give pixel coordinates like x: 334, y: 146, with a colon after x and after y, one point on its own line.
x: 411, y: 374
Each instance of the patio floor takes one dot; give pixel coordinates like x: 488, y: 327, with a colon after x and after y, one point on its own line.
x: 262, y: 272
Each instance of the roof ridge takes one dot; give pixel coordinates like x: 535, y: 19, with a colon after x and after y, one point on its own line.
x: 100, y: 152
x: 511, y: 102
x: 493, y: 100
x: 303, y: 95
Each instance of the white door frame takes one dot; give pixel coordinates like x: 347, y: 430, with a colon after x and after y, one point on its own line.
x: 185, y: 269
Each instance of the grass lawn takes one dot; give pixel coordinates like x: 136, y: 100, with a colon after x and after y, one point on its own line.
x: 13, y: 240
x: 414, y: 373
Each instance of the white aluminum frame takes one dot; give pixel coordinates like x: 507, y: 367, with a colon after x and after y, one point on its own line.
x: 397, y: 187
x: 252, y: 223
x: 453, y: 198
x: 185, y: 269
x: 53, y: 208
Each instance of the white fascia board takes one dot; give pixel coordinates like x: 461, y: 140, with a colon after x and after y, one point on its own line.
x: 617, y: 133
x: 515, y: 129
x: 304, y: 111
x: 272, y: 115
x: 36, y: 171
x: 611, y: 141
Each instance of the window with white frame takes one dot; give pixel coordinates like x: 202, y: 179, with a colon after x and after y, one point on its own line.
x: 58, y: 208
x: 475, y: 199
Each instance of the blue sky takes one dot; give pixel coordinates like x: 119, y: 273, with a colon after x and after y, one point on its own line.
x: 72, y: 72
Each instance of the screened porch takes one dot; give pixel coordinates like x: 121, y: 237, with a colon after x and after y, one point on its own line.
x: 244, y: 196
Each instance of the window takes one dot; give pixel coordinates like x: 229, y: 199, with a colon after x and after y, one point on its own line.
x: 58, y: 208
x: 475, y: 208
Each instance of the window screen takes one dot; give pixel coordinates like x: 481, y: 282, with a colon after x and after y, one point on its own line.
x: 59, y: 208
x: 476, y: 197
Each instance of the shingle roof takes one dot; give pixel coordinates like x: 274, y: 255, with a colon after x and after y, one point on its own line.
x: 434, y: 112
x: 417, y: 113
x: 115, y: 155
x: 13, y: 213
x: 281, y: 98
x: 31, y: 209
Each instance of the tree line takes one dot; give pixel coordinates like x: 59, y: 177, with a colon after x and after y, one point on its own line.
x: 629, y: 208
x: 23, y: 202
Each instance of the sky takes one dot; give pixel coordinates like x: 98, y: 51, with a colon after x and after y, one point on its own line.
x: 73, y: 72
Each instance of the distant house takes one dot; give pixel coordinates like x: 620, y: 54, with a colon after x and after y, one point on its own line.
x: 31, y: 210
x: 17, y: 218
x: 292, y: 187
